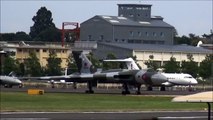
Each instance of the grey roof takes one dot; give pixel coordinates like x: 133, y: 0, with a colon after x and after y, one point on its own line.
x: 116, y: 20
x: 134, y: 5
x: 161, y: 48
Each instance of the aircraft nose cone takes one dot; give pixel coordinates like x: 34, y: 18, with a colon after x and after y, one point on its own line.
x: 158, y: 78
x: 194, y: 82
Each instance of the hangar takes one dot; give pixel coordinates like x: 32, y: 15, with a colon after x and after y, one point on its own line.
x: 134, y: 24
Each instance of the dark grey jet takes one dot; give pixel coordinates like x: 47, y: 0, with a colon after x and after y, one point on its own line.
x: 88, y: 74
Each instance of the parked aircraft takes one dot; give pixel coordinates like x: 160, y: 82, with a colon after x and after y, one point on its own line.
x: 173, y: 78
x: 88, y: 74
x: 10, y: 81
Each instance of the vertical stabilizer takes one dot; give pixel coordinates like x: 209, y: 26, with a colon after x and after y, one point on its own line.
x: 131, y: 64
x: 83, y: 63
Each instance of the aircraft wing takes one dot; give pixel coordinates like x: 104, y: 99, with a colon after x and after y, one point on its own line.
x: 119, y: 60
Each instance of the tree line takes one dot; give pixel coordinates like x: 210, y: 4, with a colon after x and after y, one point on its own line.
x: 32, y: 67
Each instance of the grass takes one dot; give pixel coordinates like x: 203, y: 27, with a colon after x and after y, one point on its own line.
x: 18, y: 101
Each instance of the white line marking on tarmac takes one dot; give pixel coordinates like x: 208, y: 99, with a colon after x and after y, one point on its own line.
x: 24, y: 119
x: 178, y: 118
x: 100, y: 112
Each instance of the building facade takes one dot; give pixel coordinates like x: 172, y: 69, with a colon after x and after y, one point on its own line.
x: 134, y: 24
x: 161, y: 53
x: 21, y: 52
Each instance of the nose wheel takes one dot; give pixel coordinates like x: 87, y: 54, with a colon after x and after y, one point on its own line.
x: 126, y: 89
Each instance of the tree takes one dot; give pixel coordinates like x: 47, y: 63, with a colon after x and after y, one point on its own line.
x: 110, y: 65
x: 22, y: 36
x: 10, y: 64
x: 96, y: 63
x: 206, y: 67
x: 151, y: 64
x: 33, y: 66
x: 72, y: 67
x: 190, y: 67
x: 43, y: 25
x: 18, y: 36
x: 53, y: 64
x: 171, y: 66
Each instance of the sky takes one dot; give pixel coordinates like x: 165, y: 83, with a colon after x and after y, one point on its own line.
x: 190, y: 16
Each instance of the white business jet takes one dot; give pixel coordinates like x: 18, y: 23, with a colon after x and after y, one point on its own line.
x: 10, y: 81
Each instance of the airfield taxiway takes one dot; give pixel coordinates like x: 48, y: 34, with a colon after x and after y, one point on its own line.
x: 144, y: 115
x: 137, y: 115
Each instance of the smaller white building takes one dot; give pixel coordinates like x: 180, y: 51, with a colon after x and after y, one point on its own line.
x: 160, y: 53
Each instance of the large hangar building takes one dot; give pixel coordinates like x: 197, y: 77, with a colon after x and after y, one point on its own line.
x: 134, y: 24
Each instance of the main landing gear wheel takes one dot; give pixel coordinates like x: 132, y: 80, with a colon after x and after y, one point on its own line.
x: 138, y: 92
x: 126, y: 89
x: 149, y: 88
x: 162, y: 88
x: 125, y: 92
x: 89, y: 91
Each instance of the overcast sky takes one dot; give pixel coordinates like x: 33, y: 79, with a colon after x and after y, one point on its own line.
x: 186, y: 16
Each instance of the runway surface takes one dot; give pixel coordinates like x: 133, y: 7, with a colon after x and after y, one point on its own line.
x: 146, y: 115
x: 138, y: 115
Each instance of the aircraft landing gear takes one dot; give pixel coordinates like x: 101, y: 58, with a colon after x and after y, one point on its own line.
x: 149, y: 88
x: 162, y: 88
x: 138, y: 92
x: 126, y: 89
x: 89, y: 85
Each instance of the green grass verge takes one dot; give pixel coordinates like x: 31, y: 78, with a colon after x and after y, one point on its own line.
x: 18, y: 101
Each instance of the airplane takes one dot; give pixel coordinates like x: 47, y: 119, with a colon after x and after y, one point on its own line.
x: 173, y: 78
x: 87, y: 73
x: 10, y: 81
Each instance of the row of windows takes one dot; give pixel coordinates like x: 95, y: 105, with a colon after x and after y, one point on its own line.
x: 161, y: 34
x: 137, y: 8
x: 147, y: 41
x: 37, y: 50
x: 131, y: 15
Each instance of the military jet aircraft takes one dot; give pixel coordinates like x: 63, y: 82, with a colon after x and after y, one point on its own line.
x: 88, y: 74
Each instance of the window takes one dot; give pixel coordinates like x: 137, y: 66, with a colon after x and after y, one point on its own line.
x: 89, y: 37
x: 44, y: 50
x: 130, y: 15
x: 101, y: 37
x: 145, y: 8
x: 131, y: 33
x: 139, y: 15
x: 20, y: 50
x: 116, y: 40
x: 129, y: 8
x: 154, y: 34
x: 37, y: 50
x: 138, y: 8
x: 139, y: 33
x: 162, y: 34
x: 147, y: 34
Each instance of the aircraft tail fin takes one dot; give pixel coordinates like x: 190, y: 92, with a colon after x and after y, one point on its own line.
x: 12, y: 74
x: 83, y: 63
